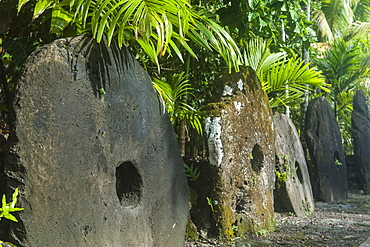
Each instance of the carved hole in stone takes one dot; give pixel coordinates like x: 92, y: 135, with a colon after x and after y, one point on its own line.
x: 299, y: 172
x: 257, y: 158
x: 128, y: 184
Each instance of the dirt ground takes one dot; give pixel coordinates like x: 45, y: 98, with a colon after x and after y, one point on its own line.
x: 346, y: 224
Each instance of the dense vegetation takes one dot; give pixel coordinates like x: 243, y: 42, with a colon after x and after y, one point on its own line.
x: 185, y: 44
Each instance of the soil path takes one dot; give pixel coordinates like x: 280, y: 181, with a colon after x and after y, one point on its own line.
x: 332, y: 225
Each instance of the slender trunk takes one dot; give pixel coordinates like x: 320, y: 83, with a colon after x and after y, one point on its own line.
x: 287, y: 109
x: 182, y: 138
x: 306, y: 53
x: 182, y: 131
x: 306, y: 58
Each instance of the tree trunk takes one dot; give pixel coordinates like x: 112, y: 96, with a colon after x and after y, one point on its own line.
x: 182, y: 138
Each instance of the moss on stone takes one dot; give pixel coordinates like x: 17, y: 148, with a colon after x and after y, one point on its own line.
x: 261, y: 220
x: 191, y: 233
x: 215, y: 109
x: 226, y: 221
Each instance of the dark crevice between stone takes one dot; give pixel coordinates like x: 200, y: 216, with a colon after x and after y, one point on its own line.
x: 337, y: 158
x: 299, y: 172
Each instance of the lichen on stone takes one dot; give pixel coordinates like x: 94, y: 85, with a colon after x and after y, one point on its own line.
x: 213, y: 131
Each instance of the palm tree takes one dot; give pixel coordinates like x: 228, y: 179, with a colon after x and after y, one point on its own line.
x: 159, y: 27
x: 344, y: 65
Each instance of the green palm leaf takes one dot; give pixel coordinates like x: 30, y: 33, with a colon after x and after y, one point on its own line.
x: 356, y: 30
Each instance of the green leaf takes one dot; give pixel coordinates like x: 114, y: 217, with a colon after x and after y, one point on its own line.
x: 59, y: 20
x: 6, y: 209
x: 21, y: 3
x: 41, y: 6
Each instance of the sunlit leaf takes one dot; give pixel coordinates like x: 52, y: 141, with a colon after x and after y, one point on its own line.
x: 41, y: 6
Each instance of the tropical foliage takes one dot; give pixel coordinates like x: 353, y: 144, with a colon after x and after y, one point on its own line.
x: 284, y: 80
x: 159, y: 27
x: 282, y: 21
x: 174, y: 95
x: 196, y: 40
x: 342, y: 19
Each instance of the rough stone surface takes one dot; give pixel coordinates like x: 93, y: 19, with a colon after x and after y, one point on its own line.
x: 328, y: 166
x: 240, y: 139
x: 361, y: 138
x: 293, y: 192
x: 94, y: 169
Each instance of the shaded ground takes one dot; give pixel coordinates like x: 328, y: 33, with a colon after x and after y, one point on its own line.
x: 346, y: 224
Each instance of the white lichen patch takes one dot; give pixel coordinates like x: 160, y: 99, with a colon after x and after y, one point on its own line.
x: 240, y: 85
x: 213, y: 131
x: 228, y: 91
x: 238, y: 106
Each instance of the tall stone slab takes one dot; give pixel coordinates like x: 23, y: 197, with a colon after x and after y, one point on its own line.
x: 94, y: 156
x: 328, y: 166
x: 361, y: 139
x: 293, y: 191
x: 241, y: 151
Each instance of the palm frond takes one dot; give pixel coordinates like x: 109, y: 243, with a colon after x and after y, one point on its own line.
x: 257, y: 55
x: 356, y: 30
x: 159, y: 27
x: 293, y: 73
x: 361, y: 10
x: 287, y: 81
x: 339, y: 15
x: 174, y: 95
x: 341, y: 65
x: 323, y: 26
x: 347, y: 19
x: 60, y: 19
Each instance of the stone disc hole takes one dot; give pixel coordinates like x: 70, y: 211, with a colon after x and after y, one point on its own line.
x: 129, y: 185
x: 257, y: 158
